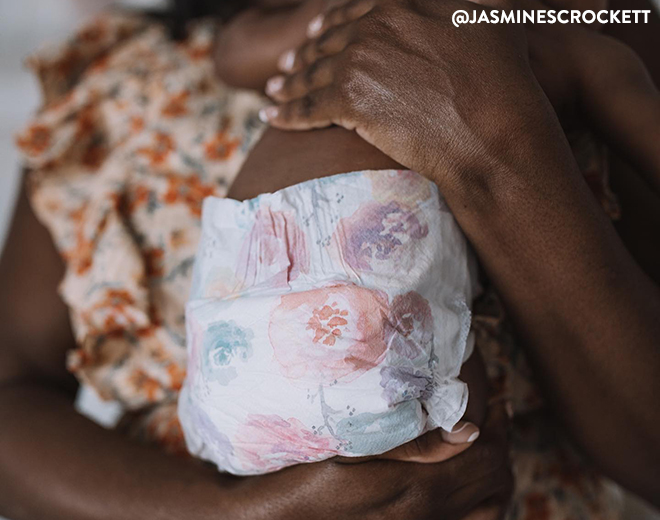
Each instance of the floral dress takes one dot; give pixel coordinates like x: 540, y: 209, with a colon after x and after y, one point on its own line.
x: 134, y: 132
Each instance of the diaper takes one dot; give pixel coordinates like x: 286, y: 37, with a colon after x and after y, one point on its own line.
x: 329, y: 318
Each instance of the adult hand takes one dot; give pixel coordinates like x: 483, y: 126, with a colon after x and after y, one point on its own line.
x: 475, y: 482
x: 430, y: 95
x: 247, y: 47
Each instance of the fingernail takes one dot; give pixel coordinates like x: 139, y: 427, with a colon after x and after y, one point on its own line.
x: 314, y: 27
x: 267, y: 114
x: 462, y: 432
x: 274, y: 84
x: 286, y: 60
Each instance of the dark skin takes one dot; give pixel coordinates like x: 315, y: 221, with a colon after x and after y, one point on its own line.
x: 606, y: 84
x: 641, y: 219
x: 489, y: 137
x: 102, y: 480
x: 248, y: 47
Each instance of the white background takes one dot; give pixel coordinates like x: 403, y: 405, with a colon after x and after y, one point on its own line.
x: 24, y: 26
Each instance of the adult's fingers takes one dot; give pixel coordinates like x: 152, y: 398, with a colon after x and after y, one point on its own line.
x: 310, y: 111
x: 490, y: 449
x: 287, y: 88
x: 340, y: 15
x: 332, y: 41
x: 436, y: 445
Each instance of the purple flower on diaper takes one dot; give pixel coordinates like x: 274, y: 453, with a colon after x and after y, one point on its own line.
x: 377, y: 232
x: 402, y: 384
x: 209, y: 434
x: 409, y: 335
x: 409, y: 331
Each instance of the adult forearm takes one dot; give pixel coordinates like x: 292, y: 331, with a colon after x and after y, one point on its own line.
x: 55, y: 464
x: 586, y: 312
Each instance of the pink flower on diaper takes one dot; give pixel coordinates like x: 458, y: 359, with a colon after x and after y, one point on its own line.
x: 378, y: 232
x: 274, y: 252
x: 329, y: 333
x: 271, y: 442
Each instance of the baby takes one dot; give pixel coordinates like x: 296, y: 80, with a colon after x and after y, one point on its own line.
x: 331, y: 316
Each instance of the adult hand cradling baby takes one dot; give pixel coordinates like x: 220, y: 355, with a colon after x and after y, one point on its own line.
x: 464, y: 107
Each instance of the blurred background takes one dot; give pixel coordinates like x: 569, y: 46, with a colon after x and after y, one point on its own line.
x: 25, y: 25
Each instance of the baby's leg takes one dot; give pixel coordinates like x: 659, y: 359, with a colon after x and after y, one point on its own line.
x: 282, y: 159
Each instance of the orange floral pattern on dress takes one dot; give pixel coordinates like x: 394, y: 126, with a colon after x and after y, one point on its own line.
x: 35, y: 140
x: 144, y: 384
x: 94, y: 156
x: 177, y: 106
x: 93, y: 33
x: 81, y: 255
x: 154, y: 258
x: 189, y: 191
x: 199, y: 51
x: 138, y: 197
x: 221, y: 147
x: 118, y: 305
x: 127, y: 245
x: 68, y: 63
x: 163, y: 146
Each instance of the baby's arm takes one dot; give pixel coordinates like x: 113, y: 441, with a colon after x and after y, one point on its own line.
x: 247, y: 48
x: 618, y: 96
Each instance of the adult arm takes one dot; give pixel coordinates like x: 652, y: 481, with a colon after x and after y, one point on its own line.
x: 462, y: 106
x: 640, y: 224
x: 54, y: 463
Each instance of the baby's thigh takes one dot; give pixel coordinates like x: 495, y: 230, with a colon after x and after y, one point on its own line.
x: 282, y: 159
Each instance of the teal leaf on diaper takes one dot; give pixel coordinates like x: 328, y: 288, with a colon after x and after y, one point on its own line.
x: 370, y: 433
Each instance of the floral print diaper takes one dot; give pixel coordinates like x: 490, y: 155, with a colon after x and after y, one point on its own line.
x: 329, y: 318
